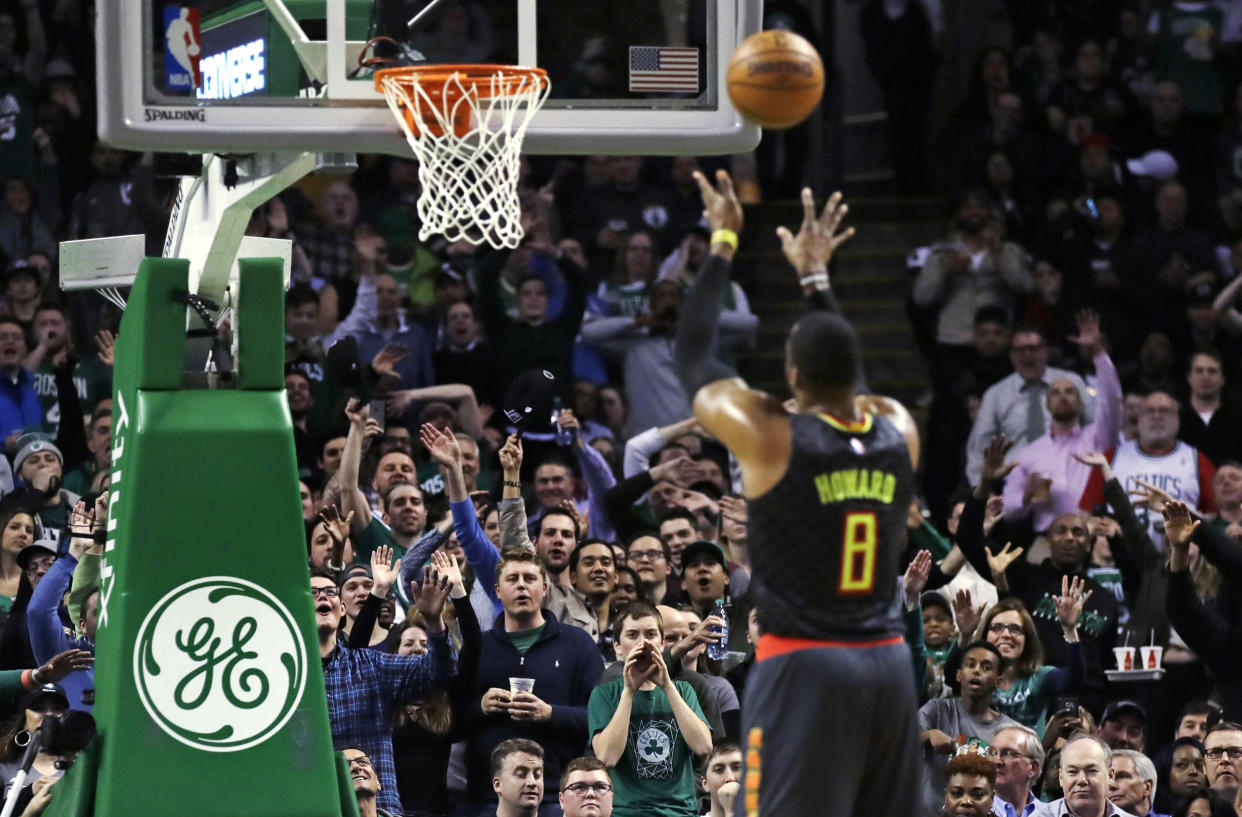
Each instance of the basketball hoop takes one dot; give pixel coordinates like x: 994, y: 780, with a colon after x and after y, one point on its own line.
x: 465, y: 124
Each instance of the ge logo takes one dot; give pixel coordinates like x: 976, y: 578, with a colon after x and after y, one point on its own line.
x: 220, y: 664
x: 653, y: 745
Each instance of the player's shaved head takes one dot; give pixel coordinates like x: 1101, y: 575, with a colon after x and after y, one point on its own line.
x: 822, y: 351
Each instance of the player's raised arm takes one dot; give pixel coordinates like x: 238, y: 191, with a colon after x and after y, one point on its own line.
x: 745, y: 420
x: 824, y: 365
x: 700, y: 313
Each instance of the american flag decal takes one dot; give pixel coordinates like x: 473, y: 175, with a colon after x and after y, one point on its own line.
x: 656, y: 68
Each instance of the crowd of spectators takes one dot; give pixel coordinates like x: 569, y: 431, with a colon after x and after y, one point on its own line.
x: 1079, y: 327
x: 504, y: 599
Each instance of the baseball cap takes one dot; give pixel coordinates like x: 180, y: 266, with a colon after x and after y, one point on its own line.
x: 31, y: 552
x: 1201, y: 289
x: 353, y: 572
x: 934, y: 598
x: 33, y: 443
x: 41, y: 694
x: 1125, y: 707
x: 1155, y: 164
x: 529, y: 395
x: 20, y: 267
x: 700, y: 547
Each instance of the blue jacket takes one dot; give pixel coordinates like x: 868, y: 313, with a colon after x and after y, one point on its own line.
x: 19, y: 404
x: 415, y: 369
x: 566, y: 665
x: 47, y: 633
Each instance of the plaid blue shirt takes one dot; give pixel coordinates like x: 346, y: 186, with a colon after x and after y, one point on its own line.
x: 363, y: 686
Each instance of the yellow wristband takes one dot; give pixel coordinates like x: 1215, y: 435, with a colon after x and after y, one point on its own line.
x: 725, y: 237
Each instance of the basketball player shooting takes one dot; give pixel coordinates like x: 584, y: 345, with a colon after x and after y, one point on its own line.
x: 828, y: 485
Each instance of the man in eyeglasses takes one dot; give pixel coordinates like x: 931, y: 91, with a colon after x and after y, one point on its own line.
x: 1222, y: 753
x: 364, y: 686
x: 366, y: 782
x: 1019, y: 758
x: 586, y: 790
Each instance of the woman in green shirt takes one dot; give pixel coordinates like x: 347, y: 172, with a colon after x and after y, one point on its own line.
x: 1027, y: 686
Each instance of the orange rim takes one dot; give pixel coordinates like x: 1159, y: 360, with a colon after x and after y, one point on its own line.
x: 434, y: 79
x: 476, y: 80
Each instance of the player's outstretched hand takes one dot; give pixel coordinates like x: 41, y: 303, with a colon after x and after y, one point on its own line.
x: 818, y: 237
x: 720, y: 203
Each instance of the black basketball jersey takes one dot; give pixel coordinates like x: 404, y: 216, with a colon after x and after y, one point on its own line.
x: 826, y: 542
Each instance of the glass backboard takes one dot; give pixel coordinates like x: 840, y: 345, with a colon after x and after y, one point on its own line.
x: 242, y: 76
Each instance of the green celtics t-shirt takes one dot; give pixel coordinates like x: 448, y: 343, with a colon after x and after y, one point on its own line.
x: 1027, y: 701
x: 431, y: 482
x: 92, y: 379
x: 655, y: 775
x: 374, y: 535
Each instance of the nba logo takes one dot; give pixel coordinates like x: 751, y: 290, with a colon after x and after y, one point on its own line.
x: 182, y: 47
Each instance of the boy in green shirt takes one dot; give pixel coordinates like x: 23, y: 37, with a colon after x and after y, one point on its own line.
x: 645, y: 727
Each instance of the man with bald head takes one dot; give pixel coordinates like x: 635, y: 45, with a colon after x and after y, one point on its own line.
x: 1048, y: 479
x: 1086, y: 778
x: 1157, y: 457
x: 1037, y: 585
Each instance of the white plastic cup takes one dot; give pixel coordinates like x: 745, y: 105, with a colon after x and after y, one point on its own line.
x: 1152, y: 657
x: 1125, y: 658
x: 517, y: 685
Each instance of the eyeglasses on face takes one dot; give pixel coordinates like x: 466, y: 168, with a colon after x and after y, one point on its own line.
x: 361, y: 760
x: 599, y: 789
x: 647, y: 555
x: 998, y: 628
x: 326, y: 592
x: 1217, y: 752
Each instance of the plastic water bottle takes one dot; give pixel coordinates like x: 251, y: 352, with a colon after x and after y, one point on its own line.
x: 564, y: 436
x: 719, y: 650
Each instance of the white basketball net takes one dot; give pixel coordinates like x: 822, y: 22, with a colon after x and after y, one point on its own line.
x: 469, y: 181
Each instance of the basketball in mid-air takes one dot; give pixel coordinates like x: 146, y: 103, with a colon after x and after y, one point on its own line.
x: 775, y: 79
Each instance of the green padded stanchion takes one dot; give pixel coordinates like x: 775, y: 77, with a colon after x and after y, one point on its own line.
x: 209, y: 687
